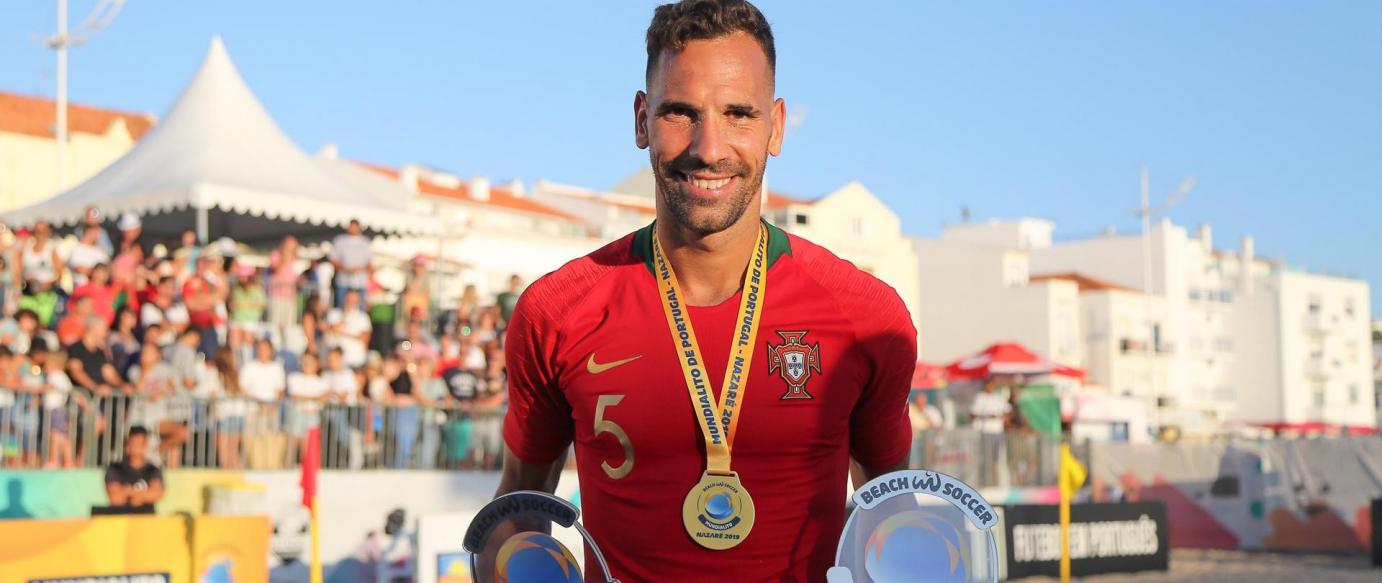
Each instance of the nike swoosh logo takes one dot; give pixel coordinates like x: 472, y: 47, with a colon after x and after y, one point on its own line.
x: 597, y: 367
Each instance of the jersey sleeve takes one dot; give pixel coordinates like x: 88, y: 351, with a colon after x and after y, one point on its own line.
x: 538, y: 425
x: 880, y: 430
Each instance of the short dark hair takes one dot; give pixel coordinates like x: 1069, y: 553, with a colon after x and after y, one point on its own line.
x: 676, y: 24
x: 137, y: 430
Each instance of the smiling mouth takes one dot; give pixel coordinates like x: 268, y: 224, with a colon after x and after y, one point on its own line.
x: 706, y: 185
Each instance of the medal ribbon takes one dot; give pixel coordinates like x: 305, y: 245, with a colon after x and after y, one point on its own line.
x: 717, y: 420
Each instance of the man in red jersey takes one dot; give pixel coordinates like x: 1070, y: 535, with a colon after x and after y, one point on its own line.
x: 715, y: 374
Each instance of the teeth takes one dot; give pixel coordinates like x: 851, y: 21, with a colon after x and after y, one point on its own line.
x: 710, y: 184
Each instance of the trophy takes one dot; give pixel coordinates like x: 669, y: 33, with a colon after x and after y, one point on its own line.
x: 917, y: 525
x: 528, y: 553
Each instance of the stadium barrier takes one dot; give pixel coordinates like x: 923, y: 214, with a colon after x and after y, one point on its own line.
x: 238, y: 433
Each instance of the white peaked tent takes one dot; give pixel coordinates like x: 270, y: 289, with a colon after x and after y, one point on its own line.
x: 218, y: 164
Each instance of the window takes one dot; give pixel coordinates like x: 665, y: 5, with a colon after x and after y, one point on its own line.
x: 1315, y: 304
x: 1317, y: 395
x: 1348, y: 307
x: 1353, y: 394
x: 856, y: 226
x: 801, y: 219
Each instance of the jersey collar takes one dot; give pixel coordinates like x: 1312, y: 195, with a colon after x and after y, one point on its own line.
x: 778, y: 244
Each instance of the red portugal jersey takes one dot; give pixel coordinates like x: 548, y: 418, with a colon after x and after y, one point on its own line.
x: 591, y: 361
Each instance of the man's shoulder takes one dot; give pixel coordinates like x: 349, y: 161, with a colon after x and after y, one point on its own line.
x: 555, y: 294
x: 851, y: 287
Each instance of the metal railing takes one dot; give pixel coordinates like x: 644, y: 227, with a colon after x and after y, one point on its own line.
x: 987, y: 460
x: 40, y: 431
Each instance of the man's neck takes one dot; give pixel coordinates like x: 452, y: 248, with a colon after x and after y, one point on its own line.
x: 709, y: 268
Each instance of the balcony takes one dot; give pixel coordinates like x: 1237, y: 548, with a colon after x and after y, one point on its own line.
x: 1318, y: 323
x: 1317, y: 368
x: 1132, y: 346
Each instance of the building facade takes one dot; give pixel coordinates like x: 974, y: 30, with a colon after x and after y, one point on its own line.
x: 28, y: 148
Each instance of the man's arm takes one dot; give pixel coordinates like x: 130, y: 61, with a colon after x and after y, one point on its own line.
x: 117, y: 493
x: 152, y: 495
x: 520, y: 475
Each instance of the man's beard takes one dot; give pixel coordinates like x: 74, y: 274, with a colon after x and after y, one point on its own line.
x: 700, y: 216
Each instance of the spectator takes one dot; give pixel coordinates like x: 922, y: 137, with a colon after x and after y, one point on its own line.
x: 230, y: 411
x: 56, y: 396
x: 90, y: 365
x: 263, y: 379
x: 183, y: 359
x: 926, y: 424
x: 160, y: 404
x: 342, y: 384
x: 40, y: 269
x: 73, y: 326
x: 1020, y: 443
x: 164, y: 309
x: 283, y: 286
x: 348, y: 328
x: 201, y: 296
x: 186, y: 256
x: 124, y: 341
x: 508, y: 299
x: 247, y: 301
x: 91, y: 221
x: 468, y: 307
x: 402, y: 423
x: 27, y: 331
x: 417, y: 293
x: 989, y: 411
x: 130, y: 230
x: 85, y: 255
x: 308, y: 389
x: 133, y: 481
x: 101, y: 290
x: 351, y: 257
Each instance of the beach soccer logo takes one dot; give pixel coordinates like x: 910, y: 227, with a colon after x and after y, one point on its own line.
x: 719, y: 506
x: 527, y: 554
x: 534, y: 557
x: 915, y: 525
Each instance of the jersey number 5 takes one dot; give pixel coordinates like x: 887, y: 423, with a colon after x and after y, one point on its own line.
x: 603, y: 425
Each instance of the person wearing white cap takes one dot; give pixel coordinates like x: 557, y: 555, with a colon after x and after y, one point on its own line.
x: 91, y: 220
x: 130, y: 229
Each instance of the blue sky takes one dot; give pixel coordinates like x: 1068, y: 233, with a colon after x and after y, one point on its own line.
x: 1011, y: 109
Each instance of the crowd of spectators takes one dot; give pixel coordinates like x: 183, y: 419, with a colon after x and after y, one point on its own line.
x: 228, y: 356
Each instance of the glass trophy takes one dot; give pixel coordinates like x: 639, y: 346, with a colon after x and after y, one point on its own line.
x: 510, y: 541
x: 917, y: 525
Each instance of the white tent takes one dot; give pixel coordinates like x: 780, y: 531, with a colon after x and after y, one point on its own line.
x: 219, y: 164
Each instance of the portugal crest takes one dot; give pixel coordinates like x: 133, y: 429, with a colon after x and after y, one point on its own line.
x: 794, y: 361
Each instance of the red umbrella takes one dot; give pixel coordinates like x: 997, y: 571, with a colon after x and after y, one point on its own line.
x: 928, y: 376
x: 1007, y: 358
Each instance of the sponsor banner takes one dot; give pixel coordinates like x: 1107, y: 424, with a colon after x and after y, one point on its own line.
x: 1104, y: 538
x: 108, y: 549
x: 130, y: 578
x: 229, y: 549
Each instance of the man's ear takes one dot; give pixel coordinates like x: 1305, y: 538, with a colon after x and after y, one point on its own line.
x: 779, y: 120
x: 640, y: 120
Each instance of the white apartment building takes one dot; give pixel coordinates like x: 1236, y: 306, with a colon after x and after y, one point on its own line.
x: 1241, y: 341
x: 977, y: 289
x: 1377, y: 366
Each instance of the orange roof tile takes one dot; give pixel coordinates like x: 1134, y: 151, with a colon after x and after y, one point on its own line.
x: 1086, y: 283
x: 778, y: 200
x: 497, y: 196
x: 36, y: 116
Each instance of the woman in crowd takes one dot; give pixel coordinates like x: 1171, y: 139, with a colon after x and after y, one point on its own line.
x: 230, y: 408
x: 247, y: 302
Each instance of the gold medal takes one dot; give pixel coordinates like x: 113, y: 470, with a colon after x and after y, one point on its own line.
x: 718, y: 512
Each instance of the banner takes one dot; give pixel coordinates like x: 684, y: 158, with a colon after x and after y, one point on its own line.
x: 110, y: 549
x: 229, y: 549
x: 1104, y: 538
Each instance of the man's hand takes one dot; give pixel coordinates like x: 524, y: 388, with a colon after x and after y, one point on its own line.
x: 519, y: 475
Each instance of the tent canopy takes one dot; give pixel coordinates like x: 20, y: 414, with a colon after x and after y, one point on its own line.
x: 1007, y: 358
x: 219, y: 165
